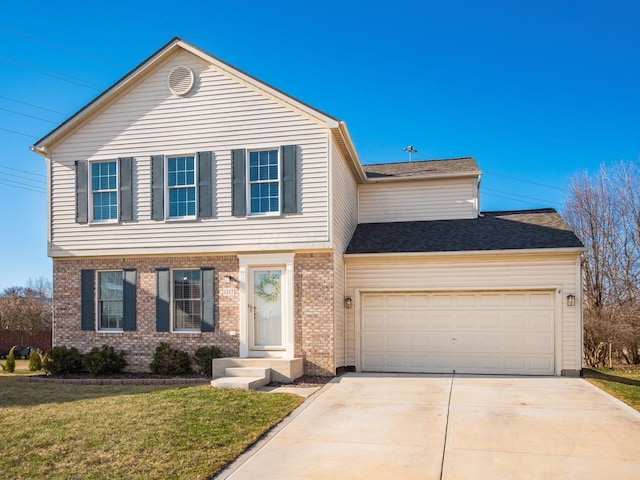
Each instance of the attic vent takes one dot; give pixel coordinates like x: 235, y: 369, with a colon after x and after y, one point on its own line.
x: 181, y: 80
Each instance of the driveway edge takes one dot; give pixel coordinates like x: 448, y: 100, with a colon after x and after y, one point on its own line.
x: 268, y: 436
x: 616, y: 400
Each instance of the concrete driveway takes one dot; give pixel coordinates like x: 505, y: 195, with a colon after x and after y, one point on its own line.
x: 379, y: 426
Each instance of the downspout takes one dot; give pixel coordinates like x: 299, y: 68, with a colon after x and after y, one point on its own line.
x: 480, y: 215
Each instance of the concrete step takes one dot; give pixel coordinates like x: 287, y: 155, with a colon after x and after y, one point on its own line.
x: 245, y: 383
x: 248, y: 372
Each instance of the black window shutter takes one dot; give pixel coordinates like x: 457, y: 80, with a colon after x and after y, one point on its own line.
x: 82, y: 192
x: 205, y: 187
x: 87, y: 309
x: 163, y: 299
x: 126, y: 188
x: 207, y: 316
x: 129, y: 299
x: 239, y: 167
x: 157, y: 187
x: 289, y: 189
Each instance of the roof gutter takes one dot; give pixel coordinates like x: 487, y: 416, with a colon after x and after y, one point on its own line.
x: 434, y: 176
x: 529, y: 251
x: 40, y: 150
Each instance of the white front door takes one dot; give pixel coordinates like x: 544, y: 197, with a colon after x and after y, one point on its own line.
x: 265, y: 311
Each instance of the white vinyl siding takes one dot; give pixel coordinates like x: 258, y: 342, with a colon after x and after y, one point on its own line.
x: 442, y: 273
x: 220, y: 114
x: 418, y: 200
x: 344, y: 220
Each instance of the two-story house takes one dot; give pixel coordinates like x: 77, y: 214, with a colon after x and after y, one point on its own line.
x: 193, y: 204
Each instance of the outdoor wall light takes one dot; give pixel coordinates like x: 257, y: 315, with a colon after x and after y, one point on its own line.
x: 571, y: 300
x: 227, y: 279
x: 348, y: 302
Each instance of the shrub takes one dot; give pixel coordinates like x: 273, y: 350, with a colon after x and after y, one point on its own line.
x: 104, y: 360
x: 61, y: 360
x: 203, y: 357
x: 35, y: 360
x: 10, y: 365
x: 169, y: 361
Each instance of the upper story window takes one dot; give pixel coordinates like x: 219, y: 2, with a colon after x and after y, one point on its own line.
x: 181, y: 184
x: 187, y: 291
x: 264, y: 182
x: 110, y: 300
x: 104, y: 191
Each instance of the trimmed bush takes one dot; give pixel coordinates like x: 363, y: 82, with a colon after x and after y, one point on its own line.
x: 169, y: 361
x: 35, y: 361
x: 61, y: 360
x: 204, y: 356
x: 10, y: 365
x: 104, y: 360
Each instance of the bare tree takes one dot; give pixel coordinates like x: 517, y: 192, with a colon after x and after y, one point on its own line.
x: 25, y: 309
x: 604, y: 211
x: 40, y: 286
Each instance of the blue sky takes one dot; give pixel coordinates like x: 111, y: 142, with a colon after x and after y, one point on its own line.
x: 534, y: 90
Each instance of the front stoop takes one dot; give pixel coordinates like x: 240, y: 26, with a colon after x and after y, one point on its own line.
x: 246, y: 378
x: 252, y: 373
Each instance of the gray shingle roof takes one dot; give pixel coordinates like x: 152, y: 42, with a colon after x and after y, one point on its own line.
x: 422, y: 168
x: 511, y: 230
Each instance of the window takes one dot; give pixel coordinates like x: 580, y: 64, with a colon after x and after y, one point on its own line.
x: 181, y: 183
x: 104, y: 190
x: 110, y: 300
x: 187, y: 288
x: 264, y: 182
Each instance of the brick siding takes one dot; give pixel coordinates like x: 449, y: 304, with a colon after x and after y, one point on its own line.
x: 313, y: 274
x: 314, y: 334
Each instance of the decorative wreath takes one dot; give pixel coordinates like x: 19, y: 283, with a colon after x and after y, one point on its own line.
x: 268, y: 289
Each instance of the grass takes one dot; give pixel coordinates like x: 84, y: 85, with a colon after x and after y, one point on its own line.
x: 623, y: 384
x: 61, y: 431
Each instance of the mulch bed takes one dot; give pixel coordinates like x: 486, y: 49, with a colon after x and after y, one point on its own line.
x: 304, y: 382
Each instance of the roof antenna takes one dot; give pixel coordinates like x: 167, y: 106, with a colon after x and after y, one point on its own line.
x: 411, y: 150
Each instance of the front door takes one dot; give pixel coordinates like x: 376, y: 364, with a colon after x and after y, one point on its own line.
x: 265, y: 311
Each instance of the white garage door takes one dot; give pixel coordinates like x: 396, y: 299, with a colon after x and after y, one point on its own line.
x: 469, y: 332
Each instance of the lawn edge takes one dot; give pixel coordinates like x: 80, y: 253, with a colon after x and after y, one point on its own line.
x: 269, y: 435
x: 621, y: 403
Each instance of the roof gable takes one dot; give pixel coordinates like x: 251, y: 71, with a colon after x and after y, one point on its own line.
x: 144, y: 69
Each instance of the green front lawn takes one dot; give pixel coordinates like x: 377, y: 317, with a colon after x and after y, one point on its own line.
x: 57, y: 431
x: 623, y: 384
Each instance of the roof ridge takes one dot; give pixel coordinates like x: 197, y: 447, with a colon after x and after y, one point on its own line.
x: 420, y: 161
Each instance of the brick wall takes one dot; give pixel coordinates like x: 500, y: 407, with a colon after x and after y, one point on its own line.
x: 313, y: 283
x: 140, y: 344
x: 314, y: 334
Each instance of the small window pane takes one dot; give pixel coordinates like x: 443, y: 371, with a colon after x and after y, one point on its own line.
x: 104, y: 185
x: 186, y: 299
x: 182, y: 189
x: 110, y: 304
x: 264, y: 181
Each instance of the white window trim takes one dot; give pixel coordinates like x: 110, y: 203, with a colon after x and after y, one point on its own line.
x: 284, y: 260
x: 172, y: 299
x: 167, y: 215
x: 250, y: 213
x: 97, y: 303
x: 90, y: 191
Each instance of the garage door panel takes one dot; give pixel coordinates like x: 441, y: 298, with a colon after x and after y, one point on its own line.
x: 469, y: 332
x: 541, y: 321
x: 418, y: 301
